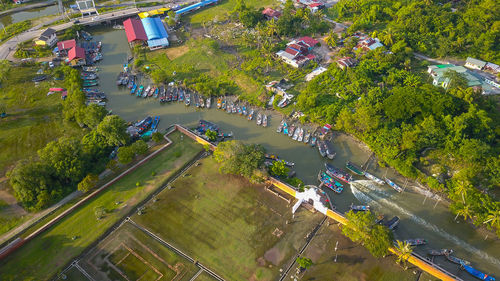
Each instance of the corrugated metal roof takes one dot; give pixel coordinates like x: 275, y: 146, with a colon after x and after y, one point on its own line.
x: 154, y: 28
x: 134, y: 30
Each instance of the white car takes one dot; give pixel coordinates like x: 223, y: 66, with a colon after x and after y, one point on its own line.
x: 51, y: 64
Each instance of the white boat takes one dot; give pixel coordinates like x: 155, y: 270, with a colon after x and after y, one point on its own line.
x: 209, y: 102
x: 301, y: 135
x: 374, y: 178
x: 393, y: 185
x: 264, y: 120
x: 259, y: 119
x: 296, y: 134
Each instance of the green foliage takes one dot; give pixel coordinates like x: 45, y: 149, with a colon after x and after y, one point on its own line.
x: 157, y: 137
x: 279, y: 169
x: 88, y: 182
x: 304, y: 262
x: 300, y: 22
x: 113, y: 129
x: 126, y: 154
x: 362, y: 228
x: 140, y: 147
x: 14, y: 29
x: 211, y: 135
x: 239, y: 159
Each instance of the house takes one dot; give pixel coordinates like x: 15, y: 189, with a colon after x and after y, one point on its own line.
x: 271, y: 13
x: 473, y: 63
x: 346, y: 62
x: 315, y: 6
x: 47, y: 38
x: 315, y: 73
x: 494, y: 68
x: 76, y: 56
x: 437, y: 73
x: 297, y: 52
x: 279, y: 88
x: 135, y: 31
x: 368, y: 44
x: 66, y: 45
x: 156, y: 33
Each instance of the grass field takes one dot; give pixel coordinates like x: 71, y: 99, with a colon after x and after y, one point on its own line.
x: 354, y: 262
x: 31, y: 262
x: 237, y: 229
x: 128, y: 253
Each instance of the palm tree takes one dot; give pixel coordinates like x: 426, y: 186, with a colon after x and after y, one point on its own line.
x: 331, y: 39
x: 464, y: 211
x: 388, y: 36
x: 493, y: 217
x: 272, y: 28
x: 461, y: 189
x: 404, y: 252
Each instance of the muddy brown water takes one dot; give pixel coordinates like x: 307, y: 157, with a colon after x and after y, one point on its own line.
x: 422, y: 216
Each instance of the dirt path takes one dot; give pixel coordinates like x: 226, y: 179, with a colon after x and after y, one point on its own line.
x: 13, y: 209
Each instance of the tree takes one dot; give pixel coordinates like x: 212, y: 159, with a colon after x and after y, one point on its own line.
x: 463, y: 210
x: 304, y: 262
x: 238, y: 158
x: 279, y: 169
x: 66, y: 158
x: 456, y: 80
x: 112, y: 128
x: 93, y: 115
x: 140, y: 147
x: 88, y: 182
x: 171, y: 18
x: 404, y: 251
x: 99, y: 212
x: 331, y: 39
x: 126, y: 154
x: 157, y: 137
x: 211, y: 135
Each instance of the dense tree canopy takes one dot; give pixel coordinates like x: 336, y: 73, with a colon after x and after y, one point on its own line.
x: 242, y: 159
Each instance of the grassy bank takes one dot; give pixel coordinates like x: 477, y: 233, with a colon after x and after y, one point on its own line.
x: 74, y: 233
x: 237, y: 229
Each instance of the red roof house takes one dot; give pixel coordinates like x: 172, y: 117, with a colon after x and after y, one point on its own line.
x: 75, y: 55
x: 271, y: 13
x: 66, y: 45
x: 134, y: 30
x: 308, y: 41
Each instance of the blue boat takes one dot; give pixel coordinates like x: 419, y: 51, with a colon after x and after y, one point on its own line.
x: 478, y: 274
x: 139, y: 91
x: 154, y: 127
x: 132, y: 91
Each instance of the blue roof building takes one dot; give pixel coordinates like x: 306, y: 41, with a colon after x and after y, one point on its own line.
x: 156, y: 33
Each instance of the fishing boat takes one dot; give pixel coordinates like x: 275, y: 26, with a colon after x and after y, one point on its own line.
x: 162, y: 91
x: 228, y: 108
x: 393, y: 185
x: 416, y: 242
x: 374, y: 178
x: 187, y: 99
x: 152, y: 91
x: 291, y: 131
x: 90, y: 83
x: 285, y: 128
x: 219, y: 103
x: 392, y: 223
x: 225, y: 135
x: 202, y: 102
x: 296, y: 134
x: 264, y: 120
x: 456, y: 260
x: 154, y: 126
x: 259, y: 119
x: 140, y: 90
x: 132, y: 91
x: 355, y: 169
x: 250, y: 115
x: 330, y: 153
x: 181, y: 94
x: 240, y: 112
x: 90, y: 68
x: 147, y: 90
x: 313, y: 140
x: 360, y: 207
x: 87, y: 36
x: 330, y: 182
x: 196, y: 100
x: 271, y: 156
x: 244, y: 110
x: 175, y: 94
x: 223, y: 107
x: 131, y: 81
x: 307, y: 137
x: 301, y: 135
x: 322, y: 148
x: 155, y: 92
x: 280, y: 127
x: 338, y: 173
x: 209, y: 102
x: 442, y: 252
x: 233, y: 109
x: 478, y: 274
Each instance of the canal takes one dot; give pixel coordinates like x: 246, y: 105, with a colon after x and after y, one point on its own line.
x: 422, y: 216
x: 28, y: 14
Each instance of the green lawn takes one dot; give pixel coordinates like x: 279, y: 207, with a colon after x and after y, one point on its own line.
x: 235, y: 228
x: 32, y: 262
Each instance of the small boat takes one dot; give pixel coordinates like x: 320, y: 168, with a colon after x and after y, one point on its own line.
x: 209, y: 102
x: 228, y: 108
x: 250, y: 115
x: 132, y: 91
x: 240, y: 112
x: 456, y: 260
x: 416, y: 242
x: 175, y: 94
x: 288, y: 163
x: 313, y: 141
x: 301, y: 135
x: 187, y: 100
x: 131, y: 81
x: 147, y: 90
x: 219, y: 103
x: 291, y: 130
x: 202, y: 102
x: 223, y: 106
x: 264, y: 120
x: 338, y: 173
x: 330, y: 182
x: 140, y: 90
x: 233, y: 109
x: 90, y: 68
x: 87, y: 36
x: 259, y: 119
x: 151, y: 92
x: 196, y: 100
x: 244, y: 110
x: 442, y: 252
x: 330, y: 153
x: 181, y: 94
x: 307, y: 137
x: 155, y: 92
x: 285, y: 128
x: 296, y: 134
x: 360, y: 207
x: 393, y: 223
x: 90, y: 83
x: 478, y: 274
x: 271, y: 156
x: 154, y: 126
x: 280, y: 127
x: 374, y: 178
x: 355, y: 169
x: 322, y: 148
x: 393, y: 185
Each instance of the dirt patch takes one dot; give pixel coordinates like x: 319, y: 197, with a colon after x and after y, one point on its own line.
x: 274, y: 256
x: 13, y: 209
x: 175, y: 52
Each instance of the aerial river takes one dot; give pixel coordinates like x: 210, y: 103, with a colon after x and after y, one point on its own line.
x: 8, y: 19
x: 422, y: 214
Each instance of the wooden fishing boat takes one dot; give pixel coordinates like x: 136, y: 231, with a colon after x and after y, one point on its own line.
x: 456, y: 260
x: 202, y: 102
x: 155, y: 92
x: 187, y: 99
x: 132, y: 91
x: 147, y: 90
x: 240, y: 112
x: 416, y: 242
x: 280, y: 127
x: 313, y: 140
x: 360, y: 207
x: 478, y: 274
x: 90, y: 68
x: 250, y: 115
x: 175, y: 94
x: 296, y: 134
x: 151, y: 92
x: 259, y: 119
x: 301, y: 135
x: 233, y: 109
x: 219, y: 103
x: 90, y: 83
x: 264, y: 120
x: 374, y: 178
x: 392, y: 223
x: 307, y: 137
x: 322, y: 148
x: 393, y: 185
x: 355, y: 169
x: 224, y: 104
x: 330, y: 182
x: 442, y: 252
x: 209, y: 102
x: 330, y: 153
x: 181, y: 94
x: 244, y: 110
x: 291, y: 130
x: 285, y: 128
x: 140, y: 90
x: 338, y: 173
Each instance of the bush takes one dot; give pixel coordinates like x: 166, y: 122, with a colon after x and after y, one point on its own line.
x: 140, y: 147
x: 157, y: 137
x: 126, y: 154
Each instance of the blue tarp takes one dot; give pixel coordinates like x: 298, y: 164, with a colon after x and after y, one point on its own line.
x: 195, y: 6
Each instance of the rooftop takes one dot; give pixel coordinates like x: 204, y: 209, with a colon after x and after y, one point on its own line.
x: 134, y: 30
